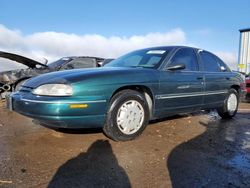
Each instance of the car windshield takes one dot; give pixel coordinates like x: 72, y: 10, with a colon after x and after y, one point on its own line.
x: 147, y: 58
x: 58, y: 63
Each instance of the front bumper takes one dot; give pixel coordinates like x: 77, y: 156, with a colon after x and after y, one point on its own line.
x: 57, y: 112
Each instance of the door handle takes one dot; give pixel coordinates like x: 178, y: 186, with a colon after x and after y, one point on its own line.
x: 199, y: 78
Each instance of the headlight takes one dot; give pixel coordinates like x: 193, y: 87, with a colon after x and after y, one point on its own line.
x: 54, y: 90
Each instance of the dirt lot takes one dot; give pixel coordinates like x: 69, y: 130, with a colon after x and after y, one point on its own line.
x: 198, y: 150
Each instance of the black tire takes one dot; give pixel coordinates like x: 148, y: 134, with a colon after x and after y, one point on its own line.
x: 223, y: 111
x: 111, y: 128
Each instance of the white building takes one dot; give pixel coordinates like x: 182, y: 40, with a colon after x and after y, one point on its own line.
x: 244, y: 51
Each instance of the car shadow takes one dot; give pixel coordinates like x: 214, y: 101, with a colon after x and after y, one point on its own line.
x: 220, y: 157
x: 98, y: 167
x: 79, y: 131
x: 178, y: 116
x: 100, y: 130
x: 71, y: 130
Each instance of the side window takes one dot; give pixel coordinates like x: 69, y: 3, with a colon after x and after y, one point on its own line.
x: 153, y: 60
x: 210, y: 62
x: 223, y: 66
x: 187, y: 57
x: 79, y: 63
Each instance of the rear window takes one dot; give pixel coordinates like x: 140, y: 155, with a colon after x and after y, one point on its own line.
x: 210, y: 62
x: 222, y: 64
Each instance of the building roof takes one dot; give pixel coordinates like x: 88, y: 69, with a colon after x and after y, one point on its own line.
x: 244, y: 30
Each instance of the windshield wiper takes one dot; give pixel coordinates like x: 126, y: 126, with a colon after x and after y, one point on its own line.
x: 142, y: 66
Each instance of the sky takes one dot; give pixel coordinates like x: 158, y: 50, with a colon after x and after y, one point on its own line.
x: 110, y: 28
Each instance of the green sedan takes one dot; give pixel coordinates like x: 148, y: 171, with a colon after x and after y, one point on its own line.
x: 125, y: 94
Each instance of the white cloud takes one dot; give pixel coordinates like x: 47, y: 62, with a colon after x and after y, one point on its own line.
x: 61, y: 44
x: 53, y: 45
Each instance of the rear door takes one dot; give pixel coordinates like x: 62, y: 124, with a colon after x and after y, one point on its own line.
x: 217, y: 79
x: 181, y: 90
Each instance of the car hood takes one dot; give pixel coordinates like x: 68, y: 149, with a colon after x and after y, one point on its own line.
x: 97, y: 76
x: 21, y: 59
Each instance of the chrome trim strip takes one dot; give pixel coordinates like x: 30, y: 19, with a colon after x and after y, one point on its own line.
x: 178, y: 96
x: 214, y: 93
x: 183, y: 87
x: 170, y: 96
x: 62, y: 102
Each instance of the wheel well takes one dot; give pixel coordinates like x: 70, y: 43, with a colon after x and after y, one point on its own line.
x: 145, y: 91
x: 18, y: 81
x: 236, y: 87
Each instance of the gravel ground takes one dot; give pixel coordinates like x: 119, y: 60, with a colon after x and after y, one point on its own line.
x: 198, y: 150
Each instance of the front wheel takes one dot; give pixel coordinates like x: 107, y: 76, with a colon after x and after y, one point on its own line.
x: 127, y: 117
x: 231, y: 104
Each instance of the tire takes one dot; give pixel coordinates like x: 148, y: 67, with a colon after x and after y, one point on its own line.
x: 232, y: 101
x: 127, y: 117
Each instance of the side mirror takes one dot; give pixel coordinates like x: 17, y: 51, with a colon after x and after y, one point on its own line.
x: 176, y: 67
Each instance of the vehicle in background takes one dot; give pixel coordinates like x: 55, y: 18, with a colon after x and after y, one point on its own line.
x: 245, y: 96
x: 106, y: 61
x: 125, y: 94
x: 248, y: 88
x: 11, y: 80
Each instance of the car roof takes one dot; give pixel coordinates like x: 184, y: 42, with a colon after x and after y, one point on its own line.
x: 170, y: 47
x: 76, y: 57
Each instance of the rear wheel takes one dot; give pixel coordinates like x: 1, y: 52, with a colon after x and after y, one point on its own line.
x: 127, y: 117
x: 230, y: 107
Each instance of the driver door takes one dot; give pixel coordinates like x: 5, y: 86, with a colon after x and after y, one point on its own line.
x: 181, y: 90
